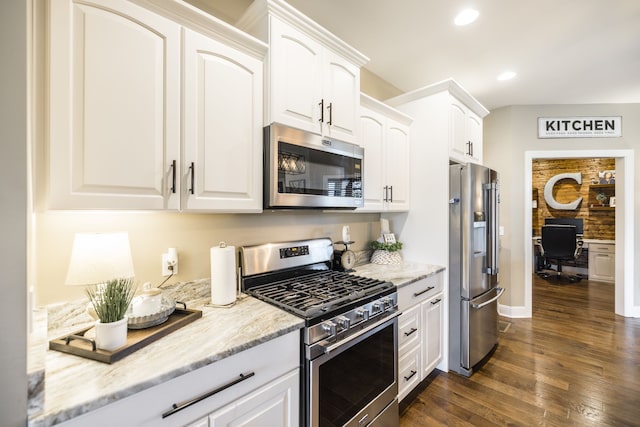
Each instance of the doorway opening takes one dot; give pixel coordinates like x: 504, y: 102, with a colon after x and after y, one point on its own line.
x: 624, y: 269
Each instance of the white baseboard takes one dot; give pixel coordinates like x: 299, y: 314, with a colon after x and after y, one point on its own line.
x: 510, y: 311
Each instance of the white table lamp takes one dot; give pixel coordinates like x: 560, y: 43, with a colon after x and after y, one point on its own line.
x: 99, y: 257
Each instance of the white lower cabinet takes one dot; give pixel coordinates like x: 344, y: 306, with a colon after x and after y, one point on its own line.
x: 432, y: 334
x: 269, y: 395
x: 419, y: 331
x: 272, y: 405
x: 602, y: 262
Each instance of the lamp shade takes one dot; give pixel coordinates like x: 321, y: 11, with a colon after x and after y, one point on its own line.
x: 99, y: 257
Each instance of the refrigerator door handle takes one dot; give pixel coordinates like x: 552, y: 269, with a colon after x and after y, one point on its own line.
x: 492, y: 262
x: 476, y: 306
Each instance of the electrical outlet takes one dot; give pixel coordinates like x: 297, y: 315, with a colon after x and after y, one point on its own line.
x: 170, y: 262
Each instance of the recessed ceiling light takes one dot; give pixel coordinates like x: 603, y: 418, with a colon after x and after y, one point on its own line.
x: 507, y: 75
x: 466, y: 17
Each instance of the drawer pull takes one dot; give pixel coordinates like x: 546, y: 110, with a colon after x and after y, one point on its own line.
x: 411, y: 332
x: 434, y: 302
x: 410, y: 375
x: 177, y: 407
x: 417, y: 294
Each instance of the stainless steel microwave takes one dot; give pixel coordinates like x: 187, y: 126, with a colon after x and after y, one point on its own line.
x: 303, y: 170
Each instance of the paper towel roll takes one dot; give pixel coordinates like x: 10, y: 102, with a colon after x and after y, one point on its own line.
x: 223, y: 274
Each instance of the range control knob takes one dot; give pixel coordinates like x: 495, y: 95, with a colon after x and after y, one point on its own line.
x: 387, y: 303
x: 362, y: 314
x: 343, y: 322
x: 329, y: 328
x: 377, y: 307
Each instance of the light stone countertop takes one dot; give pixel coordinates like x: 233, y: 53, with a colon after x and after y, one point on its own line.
x: 75, y: 385
x: 399, y: 274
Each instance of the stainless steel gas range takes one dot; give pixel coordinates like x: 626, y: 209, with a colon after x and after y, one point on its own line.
x: 350, y: 339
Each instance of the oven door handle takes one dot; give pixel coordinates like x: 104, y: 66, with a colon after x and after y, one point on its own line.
x: 328, y: 349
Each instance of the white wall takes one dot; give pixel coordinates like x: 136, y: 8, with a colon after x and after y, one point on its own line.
x: 512, y: 131
x: 13, y: 203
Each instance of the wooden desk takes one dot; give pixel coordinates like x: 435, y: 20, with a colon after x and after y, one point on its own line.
x: 597, y: 260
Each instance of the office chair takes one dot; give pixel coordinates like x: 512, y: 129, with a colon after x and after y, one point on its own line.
x: 559, y: 243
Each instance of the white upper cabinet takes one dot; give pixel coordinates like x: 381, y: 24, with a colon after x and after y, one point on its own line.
x: 222, y: 127
x: 126, y: 125
x: 313, y: 78
x: 449, y: 117
x: 114, y: 106
x: 465, y: 137
x: 384, y: 134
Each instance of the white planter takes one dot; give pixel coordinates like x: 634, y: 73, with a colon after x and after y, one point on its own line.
x: 385, y: 257
x: 111, y: 336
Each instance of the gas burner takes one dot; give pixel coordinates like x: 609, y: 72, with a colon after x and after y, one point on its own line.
x: 318, y: 292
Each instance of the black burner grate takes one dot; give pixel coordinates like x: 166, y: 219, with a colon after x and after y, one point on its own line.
x: 319, y: 292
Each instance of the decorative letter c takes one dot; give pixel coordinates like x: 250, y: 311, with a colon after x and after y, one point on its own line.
x: 548, y: 191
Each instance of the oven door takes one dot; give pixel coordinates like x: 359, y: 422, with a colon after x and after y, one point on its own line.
x: 355, y: 381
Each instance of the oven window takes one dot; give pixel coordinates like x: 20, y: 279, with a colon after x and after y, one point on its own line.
x: 303, y: 170
x: 351, y: 380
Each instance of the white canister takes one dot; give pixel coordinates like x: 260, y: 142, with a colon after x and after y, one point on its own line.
x: 223, y: 274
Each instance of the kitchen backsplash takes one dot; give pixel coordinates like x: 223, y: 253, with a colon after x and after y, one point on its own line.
x: 151, y: 234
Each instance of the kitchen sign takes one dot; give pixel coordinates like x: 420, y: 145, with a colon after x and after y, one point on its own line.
x: 580, y: 127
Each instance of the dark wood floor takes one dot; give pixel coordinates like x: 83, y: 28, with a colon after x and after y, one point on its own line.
x: 575, y: 363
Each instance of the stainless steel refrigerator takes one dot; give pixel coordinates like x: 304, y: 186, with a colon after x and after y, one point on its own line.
x: 474, y: 197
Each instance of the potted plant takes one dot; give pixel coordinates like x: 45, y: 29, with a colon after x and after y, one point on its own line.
x: 110, y: 302
x: 601, y: 197
x: 386, y: 253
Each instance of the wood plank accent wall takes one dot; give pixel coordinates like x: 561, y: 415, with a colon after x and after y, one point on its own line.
x: 598, y: 224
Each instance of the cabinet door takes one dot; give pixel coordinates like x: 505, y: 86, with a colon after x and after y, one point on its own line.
x: 457, y: 133
x: 601, y: 266
x: 474, y: 136
x: 432, y: 312
x: 274, y: 405
x: 398, y: 168
x: 296, y: 78
x: 114, y: 106
x: 203, y: 422
x: 222, y: 167
x: 372, y: 140
x: 341, y: 96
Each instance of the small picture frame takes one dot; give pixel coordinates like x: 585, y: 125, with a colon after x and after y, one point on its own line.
x: 607, y: 177
x: 389, y: 238
x: 612, y: 202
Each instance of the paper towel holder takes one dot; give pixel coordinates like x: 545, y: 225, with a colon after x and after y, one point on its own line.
x: 239, y: 295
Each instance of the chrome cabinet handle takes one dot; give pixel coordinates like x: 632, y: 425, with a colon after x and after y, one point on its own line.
x: 321, y: 105
x: 177, y: 407
x: 330, y: 108
x: 391, y: 191
x: 417, y: 294
x: 411, y: 332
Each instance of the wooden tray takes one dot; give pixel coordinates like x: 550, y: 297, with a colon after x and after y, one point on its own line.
x: 76, y: 343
